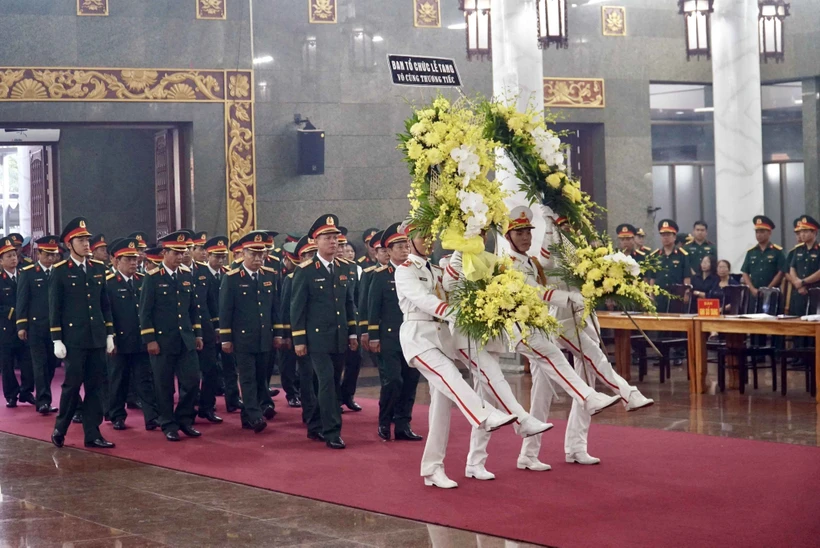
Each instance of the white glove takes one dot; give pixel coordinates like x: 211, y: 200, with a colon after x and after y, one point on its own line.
x: 109, y: 344
x: 576, y: 301
x: 59, y: 349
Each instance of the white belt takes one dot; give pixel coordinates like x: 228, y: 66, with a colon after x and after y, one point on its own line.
x: 421, y: 317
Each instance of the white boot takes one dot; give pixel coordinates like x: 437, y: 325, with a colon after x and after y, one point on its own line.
x: 531, y: 463
x: 478, y: 472
x: 439, y: 479
x: 531, y: 426
x: 582, y: 457
x: 496, y: 420
x: 637, y: 401
x: 597, y: 402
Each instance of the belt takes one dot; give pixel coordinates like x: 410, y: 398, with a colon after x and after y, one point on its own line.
x: 421, y: 317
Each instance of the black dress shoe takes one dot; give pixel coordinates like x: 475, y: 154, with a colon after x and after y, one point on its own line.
x: 52, y: 409
x: 294, y: 402
x: 27, y: 398
x: 407, y: 435
x: 172, y: 435
x: 273, y: 391
x: 153, y: 424
x: 233, y: 407
x: 57, y: 438
x: 210, y: 416
x: 353, y: 406
x: 119, y: 424
x: 44, y: 409
x: 384, y: 432
x: 316, y: 436
x: 11, y: 403
x: 269, y: 412
x: 100, y: 443
x: 190, y: 431
x: 77, y: 418
x: 338, y: 443
x: 258, y: 426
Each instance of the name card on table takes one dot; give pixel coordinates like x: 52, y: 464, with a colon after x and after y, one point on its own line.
x: 709, y: 307
x: 414, y: 70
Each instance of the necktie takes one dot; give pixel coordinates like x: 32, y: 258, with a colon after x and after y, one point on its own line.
x: 330, y: 268
x: 255, y: 277
x: 174, y: 277
x: 48, y: 274
x: 83, y: 267
x: 131, y: 284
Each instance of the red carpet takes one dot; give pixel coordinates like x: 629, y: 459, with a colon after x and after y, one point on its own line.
x: 655, y: 488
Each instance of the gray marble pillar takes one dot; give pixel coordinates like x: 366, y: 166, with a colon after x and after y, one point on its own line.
x: 811, y: 143
x: 738, y: 128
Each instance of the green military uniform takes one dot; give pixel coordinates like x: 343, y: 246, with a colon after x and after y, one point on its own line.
x: 696, y: 252
x: 80, y: 317
x: 207, y: 303
x: 384, y: 319
x: 367, y: 237
x: 323, y: 317
x: 805, y: 262
x: 762, y: 265
x: 673, y: 267
x: 346, y: 386
x: 130, y: 364
x: 247, y: 312
x: 170, y: 318
x: 287, y: 358
x: 627, y: 231
x: 13, y: 351
x: 32, y: 317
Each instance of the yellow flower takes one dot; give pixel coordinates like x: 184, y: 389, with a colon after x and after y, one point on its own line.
x: 414, y: 150
x: 554, y: 180
x: 609, y: 284
x: 588, y: 290
x: 594, y: 275
x: 601, y: 251
x: 432, y: 139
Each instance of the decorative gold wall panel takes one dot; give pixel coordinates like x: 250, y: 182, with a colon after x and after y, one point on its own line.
x: 322, y: 11
x: 574, y: 92
x: 613, y: 20
x: 234, y: 88
x: 211, y: 9
x: 427, y: 13
x: 92, y: 7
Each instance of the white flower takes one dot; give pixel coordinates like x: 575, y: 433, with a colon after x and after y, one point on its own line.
x: 631, y: 265
x: 548, y: 146
x: 473, y: 204
x: 468, y: 165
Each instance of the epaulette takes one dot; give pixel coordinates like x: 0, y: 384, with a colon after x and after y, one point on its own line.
x: 751, y: 248
x: 792, y: 249
x: 27, y: 267
x: 274, y: 258
x: 269, y: 269
x: 95, y: 261
x: 232, y: 272
x: 777, y: 247
x: 184, y: 268
x: 155, y: 271
x: 305, y: 264
x: 290, y: 275
x: 109, y: 277
x: 201, y: 263
x: 656, y: 252
x: 64, y: 261
x: 343, y: 260
x: 381, y: 268
x: 407, y: 263
x: 278, y: 250
x: 683, y: 251
x: 639, y: 252
x: 371, y: 268
x: 362, y: 259
x: 139, y: 275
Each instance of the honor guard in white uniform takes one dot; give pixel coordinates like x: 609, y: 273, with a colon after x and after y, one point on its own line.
x: 424, y: 340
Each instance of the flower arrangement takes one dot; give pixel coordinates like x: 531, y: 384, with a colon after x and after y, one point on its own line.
x: 487, y: 308
x: 450, y: 160
x: 536, y: 157
x: 601, y: 273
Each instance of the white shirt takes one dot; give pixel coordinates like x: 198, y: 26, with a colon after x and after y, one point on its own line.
x: 46, y: 270
x: 324, y: 262
x: 168, y: 270
x: 248, y: 270
x: 78, y: 263
x: 124, y: 277
x: 214, y: 272
x: 12, y: 275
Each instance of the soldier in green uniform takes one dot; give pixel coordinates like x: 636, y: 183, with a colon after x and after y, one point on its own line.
x: 674, y: 262
x: 273, y: 261
x: 626, y: 238
x: 369, y: 257
x: 764, y: 263
x: 640, y: 236
x: 805, y: 265
x: 289, y: 373
x: 14, y: 352
x: 171, y: 329
x: 19, y: 244
x: 384, y: 319
x: 198, y: 253
x: 142, y: 245
x: 99, y: 249
x: 346, y: 387
x: 323, y: 319
x: 82, y: 331
x: 129, y: 363
x: 379, y: 259
x: 32, y: 319
x: 247, y: 312
x: 798, y: 236
x: 698, y: 247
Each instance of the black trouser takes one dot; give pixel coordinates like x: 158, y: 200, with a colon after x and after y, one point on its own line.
x: 83, y: 367
x: 132, y: 398
x: 289, y: 375
x: 347, y: 387
x: 253, y: 380
x: 16, y: 354
x: 123, y: 370
x: 43, y: 363
x: 398, y: 392
x: 328, y: 369
x: 210, y: 377
x: 184, y: 367
x: 308, y: 388
x: 231, y: 379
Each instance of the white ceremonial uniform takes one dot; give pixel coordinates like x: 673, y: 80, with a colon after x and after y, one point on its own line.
x: 424, y: 339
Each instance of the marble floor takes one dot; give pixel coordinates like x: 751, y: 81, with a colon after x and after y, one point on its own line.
x: 78, y: 499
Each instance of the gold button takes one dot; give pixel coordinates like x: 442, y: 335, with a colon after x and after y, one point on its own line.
x: 180, y: 315
x: 89, y: 295
x: 337, y: 312
x: 71, y: 325
x: 261, y: 315
x: 180, y: 328
x: 317, y: 330
x: 33, y: 319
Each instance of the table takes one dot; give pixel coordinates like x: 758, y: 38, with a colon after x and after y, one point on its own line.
x: 623, y: 326
x: 742, y: 326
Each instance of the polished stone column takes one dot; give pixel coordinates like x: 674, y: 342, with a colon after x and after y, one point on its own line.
x: 738, y: 128
x: 24, y: 187
x: 811, y: 143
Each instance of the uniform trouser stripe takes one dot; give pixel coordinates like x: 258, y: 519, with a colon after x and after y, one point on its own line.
x: 557, y: 371
x: 587, y: 358
x: 450, y: 388
x: 497, y: 397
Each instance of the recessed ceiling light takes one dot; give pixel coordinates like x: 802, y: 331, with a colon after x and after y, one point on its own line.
x: 680, y: 112
x: 457, y: 26
x: 378, y: 38
x: 262, y: 60
x: 705, y: 109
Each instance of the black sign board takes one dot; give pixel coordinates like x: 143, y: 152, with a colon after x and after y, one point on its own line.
x: 414, y: 70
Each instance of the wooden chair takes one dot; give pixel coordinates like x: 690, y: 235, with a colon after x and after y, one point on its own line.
x: 682, y: 304
x: 735, y: 302
x: 805, y: 355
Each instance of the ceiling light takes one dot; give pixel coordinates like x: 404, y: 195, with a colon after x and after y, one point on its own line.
x: 798, y: 101
x: 378, y: 38
x: 457, y: 26
x: 705, y: 109
x: 262, y: 60
x: 680, y: 112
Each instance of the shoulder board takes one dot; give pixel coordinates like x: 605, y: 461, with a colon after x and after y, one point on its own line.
x: 683, y: 251
x: 290, y: 275
x: 27, y: 267
x: 109, y: 277
x: 139, y: 275
x: 274, y: 258
x: 184, y: 268
x: 269, y: 269
x: 751, y: 248
x: 656, y: 252
x: 278, y: 249
x: 232, y: 272
x: 371, y: 268
x: 792, y: 249
x: 305, y: 264
x: 381, y: 268
x: 155, y: 271
x: 64, y: 261
x: 201, y: 263
x: 361, y: 259
x: 639, y: 252
x: 777, y: 247
x: 95, y: 261
x: 343, y: 260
